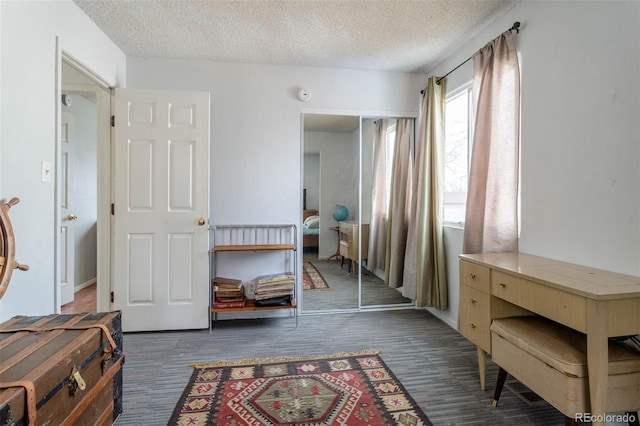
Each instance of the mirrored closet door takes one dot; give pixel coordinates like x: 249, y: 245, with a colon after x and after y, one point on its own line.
x: 331, y: 150
x: 337, y: 191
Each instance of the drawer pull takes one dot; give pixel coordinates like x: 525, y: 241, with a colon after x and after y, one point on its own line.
x: 503, y: 285
x: 473, y: 325
x: 472, y: 276
x: 473, y: 300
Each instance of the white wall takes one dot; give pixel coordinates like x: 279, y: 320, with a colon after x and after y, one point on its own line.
x: 255, y: 125
x: 29, y: 88
x: 580, y: 131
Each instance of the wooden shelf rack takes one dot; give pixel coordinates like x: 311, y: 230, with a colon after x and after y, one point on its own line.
x: 252, y: 238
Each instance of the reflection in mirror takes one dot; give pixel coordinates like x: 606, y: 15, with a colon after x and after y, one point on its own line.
x: 382, y: 283
x: 334, y: 277
x: 331, y: 146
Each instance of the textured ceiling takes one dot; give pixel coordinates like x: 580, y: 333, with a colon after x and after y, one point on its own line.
x: 390, y: 35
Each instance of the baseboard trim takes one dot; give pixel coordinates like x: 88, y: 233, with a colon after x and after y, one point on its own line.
x: 444, y: 318
x: 85, y: 285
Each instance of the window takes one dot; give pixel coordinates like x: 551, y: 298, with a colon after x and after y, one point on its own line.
x: 458, y: 125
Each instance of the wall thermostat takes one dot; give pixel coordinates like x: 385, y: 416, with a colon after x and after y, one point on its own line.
x: 66, y: 100
x: 304, y: 95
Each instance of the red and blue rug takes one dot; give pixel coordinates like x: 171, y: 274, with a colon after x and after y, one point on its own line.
x: 312, y: 279
x: 341, y: 389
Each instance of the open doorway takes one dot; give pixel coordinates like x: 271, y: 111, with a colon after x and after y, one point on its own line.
x: 84, y: 116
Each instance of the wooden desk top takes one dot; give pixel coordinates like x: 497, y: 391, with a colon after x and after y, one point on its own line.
x: 588, y: 282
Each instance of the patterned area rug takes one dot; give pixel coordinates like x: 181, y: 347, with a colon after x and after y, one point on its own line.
x: 311, y: 278
x: 341, y: 389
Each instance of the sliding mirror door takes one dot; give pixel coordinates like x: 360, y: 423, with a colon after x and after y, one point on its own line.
x: 355, y: 261
x: 331, y: 151
x: 386, y: 169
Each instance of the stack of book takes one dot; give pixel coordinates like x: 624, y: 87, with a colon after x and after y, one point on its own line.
x: 275, y: 289
x: 229, y: 293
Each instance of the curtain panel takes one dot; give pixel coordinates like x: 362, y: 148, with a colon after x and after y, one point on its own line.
x: 424, y: 269
x: 376, y: 257
x: 399, y: 202
x: 491, y: 222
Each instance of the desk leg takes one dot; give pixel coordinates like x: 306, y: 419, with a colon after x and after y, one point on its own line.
x: 597, y: 357
x: 482, y: 367
x: 337, y: 253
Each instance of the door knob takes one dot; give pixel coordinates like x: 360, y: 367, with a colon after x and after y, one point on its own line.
x: 201, y: 221
x: 72, y: 217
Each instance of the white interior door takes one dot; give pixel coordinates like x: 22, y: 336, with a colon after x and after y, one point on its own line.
x: 66, y: 249
x: 161, y: 239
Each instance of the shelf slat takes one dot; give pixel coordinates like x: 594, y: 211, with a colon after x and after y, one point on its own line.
x: 253, y: 247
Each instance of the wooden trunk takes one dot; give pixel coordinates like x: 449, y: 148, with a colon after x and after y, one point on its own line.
x: 39, y: 357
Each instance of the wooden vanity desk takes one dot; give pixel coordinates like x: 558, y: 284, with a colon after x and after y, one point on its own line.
x: 351, y: 236
x: 598, y: 303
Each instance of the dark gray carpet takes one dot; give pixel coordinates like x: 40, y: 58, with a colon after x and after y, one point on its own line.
x: 437, y: 366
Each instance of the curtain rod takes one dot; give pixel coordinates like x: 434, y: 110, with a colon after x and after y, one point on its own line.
x: 515, y: 27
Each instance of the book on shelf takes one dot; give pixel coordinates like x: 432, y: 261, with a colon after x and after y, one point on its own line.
x: 225, y: 305
x: 273, y: 278
x: 272, y: 295
x: 274, y: 286
x: 229, y: 293
x: 224, y: 292
x: 289, y: 286
x: 227, y: 283
x: 285, y: 300
x: 229, y: 298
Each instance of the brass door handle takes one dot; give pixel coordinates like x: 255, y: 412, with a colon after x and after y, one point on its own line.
x: 201, y: 221
x: 72, y: 217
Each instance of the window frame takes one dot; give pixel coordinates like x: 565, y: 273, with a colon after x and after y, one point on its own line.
x: 451, y: 199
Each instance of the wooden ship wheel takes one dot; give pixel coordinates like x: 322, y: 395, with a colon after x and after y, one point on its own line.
x: 7, y: 247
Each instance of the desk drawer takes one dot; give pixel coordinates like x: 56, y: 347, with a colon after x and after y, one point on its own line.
x: 558, y: 305
x: 475, y: 317
x: 475, y: 276
x: 345, y: 250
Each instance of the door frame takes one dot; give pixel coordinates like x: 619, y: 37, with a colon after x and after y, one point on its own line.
x: 103, y: 187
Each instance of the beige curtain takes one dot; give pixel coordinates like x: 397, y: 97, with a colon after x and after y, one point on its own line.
x: 399, y: 202
x: 491, y: 222
x: 424, y: 272
x: 376, y: 257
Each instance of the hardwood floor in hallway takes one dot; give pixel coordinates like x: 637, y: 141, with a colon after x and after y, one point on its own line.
x: 84, y: 301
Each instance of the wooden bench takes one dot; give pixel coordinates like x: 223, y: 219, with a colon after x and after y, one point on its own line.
x: 550, y: 359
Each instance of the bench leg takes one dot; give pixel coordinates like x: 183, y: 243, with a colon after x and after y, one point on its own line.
x: 502, y: 376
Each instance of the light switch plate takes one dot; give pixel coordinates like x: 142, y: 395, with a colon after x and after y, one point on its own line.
x: 46, y: 172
